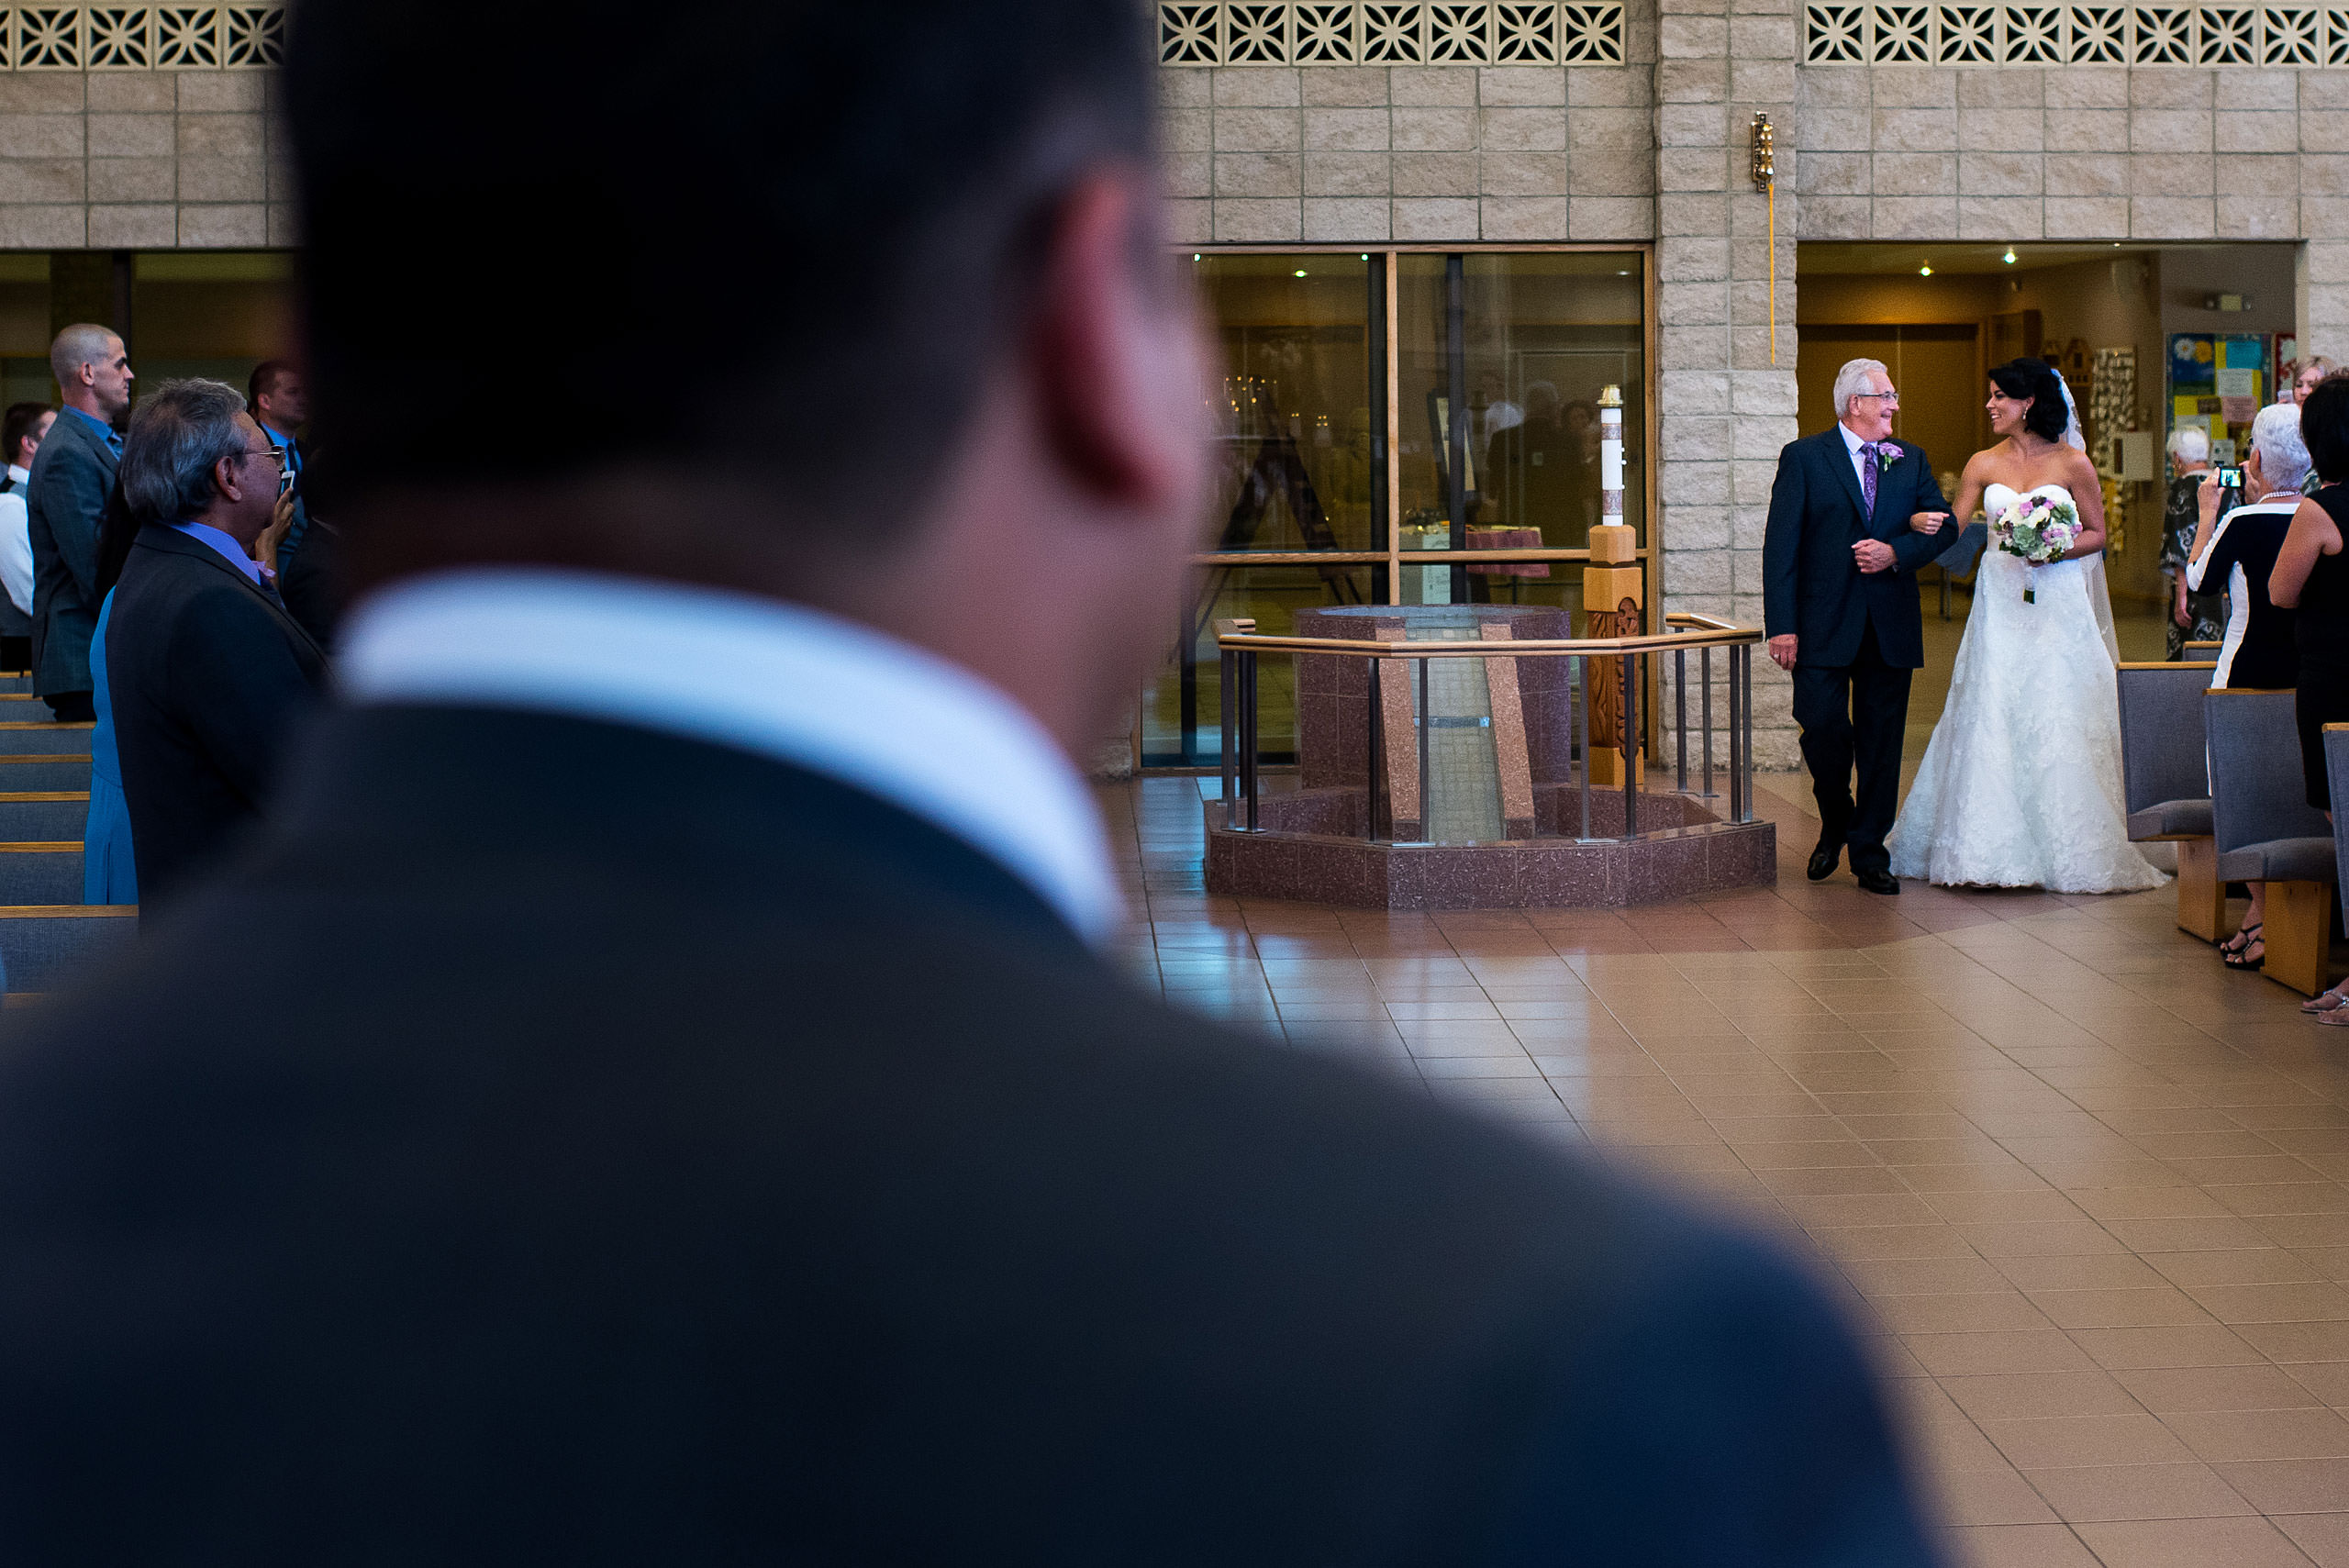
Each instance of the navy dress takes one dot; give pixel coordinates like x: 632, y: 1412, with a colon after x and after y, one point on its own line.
x: 2258, y: 648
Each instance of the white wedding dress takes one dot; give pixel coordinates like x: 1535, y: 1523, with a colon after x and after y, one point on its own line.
x: 2020, y: 785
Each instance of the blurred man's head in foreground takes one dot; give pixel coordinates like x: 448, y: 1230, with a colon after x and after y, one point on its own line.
x: 902, y: 261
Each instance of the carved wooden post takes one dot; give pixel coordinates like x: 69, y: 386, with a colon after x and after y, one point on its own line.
x: 1613, y: 595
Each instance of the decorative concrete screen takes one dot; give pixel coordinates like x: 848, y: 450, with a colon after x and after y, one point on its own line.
x: 2273, y: 36
x: 1378, y: 32
x: 141, y: 38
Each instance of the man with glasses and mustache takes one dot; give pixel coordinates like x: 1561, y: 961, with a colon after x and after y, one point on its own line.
x: 1839, y: 565
x: 205, y: 670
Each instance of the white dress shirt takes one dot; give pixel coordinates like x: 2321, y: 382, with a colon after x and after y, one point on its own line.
x: 755, y: 673
x: 17, y: 542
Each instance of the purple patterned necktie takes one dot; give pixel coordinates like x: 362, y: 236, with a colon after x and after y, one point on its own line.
x: 1867, y: 477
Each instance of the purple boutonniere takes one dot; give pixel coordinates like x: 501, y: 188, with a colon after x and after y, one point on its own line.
x: 1886, y: 456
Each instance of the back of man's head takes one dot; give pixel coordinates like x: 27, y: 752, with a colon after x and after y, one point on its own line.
x: 84, y: 343
x: 16, y: 426
x: 177, y: 433
x: 810, y: 219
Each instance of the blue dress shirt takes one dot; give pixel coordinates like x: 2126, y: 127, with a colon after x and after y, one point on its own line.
x: 104, y: 430
x: 222, y: 542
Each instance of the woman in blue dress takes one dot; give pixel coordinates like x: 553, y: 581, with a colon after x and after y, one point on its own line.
x: 108, y: 875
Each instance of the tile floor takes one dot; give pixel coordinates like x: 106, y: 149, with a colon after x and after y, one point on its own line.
x: 2091, y: 1191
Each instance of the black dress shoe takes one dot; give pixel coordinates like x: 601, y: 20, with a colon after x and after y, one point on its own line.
x: 1875, y: 880
x: 1823, y: 859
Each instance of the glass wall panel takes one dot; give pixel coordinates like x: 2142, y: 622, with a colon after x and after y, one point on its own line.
x: 1182, y: 709
x: 1297, y: 428
x: 1522, y: 347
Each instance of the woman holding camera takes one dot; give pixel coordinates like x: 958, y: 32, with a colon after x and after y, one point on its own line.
x: 2234, y: 555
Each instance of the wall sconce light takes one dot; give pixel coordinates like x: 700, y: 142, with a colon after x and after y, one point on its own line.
x: 1765, y: 180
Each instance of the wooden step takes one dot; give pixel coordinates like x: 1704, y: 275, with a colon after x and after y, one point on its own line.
x: 24, y: 737
x: 38, y: 772
x: 43, y: 945
x: 54, y: 815
x: 41, y: 872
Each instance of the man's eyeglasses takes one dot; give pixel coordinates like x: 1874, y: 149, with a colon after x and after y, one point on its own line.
x: 275, y: 454
x: 1887, y: 396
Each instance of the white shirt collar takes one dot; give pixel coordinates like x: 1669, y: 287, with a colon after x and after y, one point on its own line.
x: 1852, y: 442
x: 760, y: 675
x: 19, y: 474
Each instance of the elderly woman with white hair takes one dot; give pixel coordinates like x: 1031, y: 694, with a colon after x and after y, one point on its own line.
x: 2193, y: 618
x: 2234, y: 555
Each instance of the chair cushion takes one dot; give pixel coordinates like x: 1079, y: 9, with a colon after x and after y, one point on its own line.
x: 2171, y: 819
x: 2280, y: 859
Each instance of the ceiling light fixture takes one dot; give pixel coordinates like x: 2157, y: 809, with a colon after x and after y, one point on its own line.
x: 1301, y: 272
x: 2009, y: 256
x: 1926, y: 271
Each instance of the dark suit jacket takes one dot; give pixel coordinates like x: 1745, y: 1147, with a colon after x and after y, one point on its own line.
x: 1810, y: 586
x: 311, y: 581
x: 72, y: 480
x: 207, y: 673
x: 641, y: 1152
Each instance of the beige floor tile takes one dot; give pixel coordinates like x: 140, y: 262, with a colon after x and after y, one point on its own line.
x: 2325, y: 1381
x: 2040, y: 1395
x: 2018, y: 1546
x: 2292, y: 1486
x: 1989, y: 1497
x: 2324, y: 1537
x: 2186, y: 1345
x: 2289, y: 1303
x: 1965, y: 1313
x: 2196, y: 1543
x: 2064, y: 1441
x: 2163, y: 1390
x: 2221, y: 1436
x: 2027, y: 1349
x: 2284, y: 1342
x: 2082, y: 1494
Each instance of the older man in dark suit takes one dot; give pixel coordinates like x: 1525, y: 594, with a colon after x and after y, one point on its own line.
x: 1839, y: 597
x: 677, y: 1106
x: 66, y: 498
x: 205, y: 670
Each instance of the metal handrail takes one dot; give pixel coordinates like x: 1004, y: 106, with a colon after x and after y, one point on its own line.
x: 1239, y: 635
x: 1241, y: 646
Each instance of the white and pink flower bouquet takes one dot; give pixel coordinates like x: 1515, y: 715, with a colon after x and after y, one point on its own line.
x: 2038, y: 528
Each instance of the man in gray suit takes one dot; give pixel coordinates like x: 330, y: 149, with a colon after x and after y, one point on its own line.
x: 73, y: 483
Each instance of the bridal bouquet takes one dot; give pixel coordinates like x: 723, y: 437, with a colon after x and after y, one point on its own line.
x: 2039, y: 529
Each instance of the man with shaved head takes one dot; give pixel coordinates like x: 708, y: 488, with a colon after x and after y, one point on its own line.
x: 73, y: 482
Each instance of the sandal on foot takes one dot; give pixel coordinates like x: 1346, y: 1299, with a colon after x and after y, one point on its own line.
x: 2338, y: 1018
x: 2330, y: 1001
x: 2234, y: 952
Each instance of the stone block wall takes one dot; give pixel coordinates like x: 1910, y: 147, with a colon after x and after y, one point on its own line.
x: 141, y: 159
x: 1348, y: 155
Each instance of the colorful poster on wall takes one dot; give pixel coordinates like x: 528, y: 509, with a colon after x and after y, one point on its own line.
x: 2218, y: 380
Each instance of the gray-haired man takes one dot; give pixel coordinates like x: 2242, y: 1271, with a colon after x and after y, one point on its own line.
x: 1840, y: 601
x: 205, y: 672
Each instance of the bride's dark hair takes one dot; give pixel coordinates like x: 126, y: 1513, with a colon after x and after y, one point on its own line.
x: 2048, y: 416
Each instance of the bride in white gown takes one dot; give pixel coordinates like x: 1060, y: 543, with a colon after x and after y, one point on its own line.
x: 2020, y: 784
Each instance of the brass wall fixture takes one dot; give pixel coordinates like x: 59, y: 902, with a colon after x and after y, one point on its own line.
x: 1765, y: 180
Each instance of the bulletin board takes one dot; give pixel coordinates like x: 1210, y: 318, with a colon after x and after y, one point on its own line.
x: 2218, y: 382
